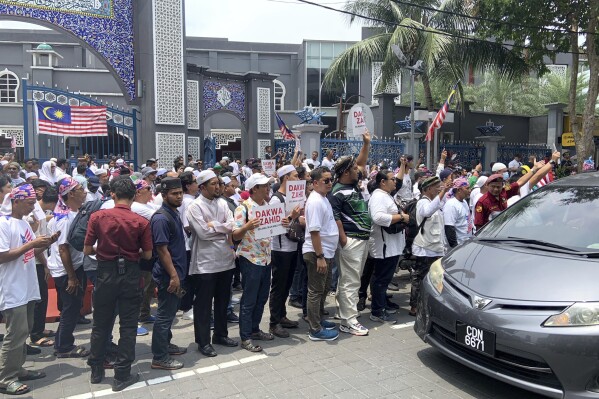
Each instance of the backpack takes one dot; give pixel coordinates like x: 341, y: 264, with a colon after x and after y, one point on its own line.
x: 412, y: 227
x: 295, y: 232
x: 147, y: 264
x: 78, y: 229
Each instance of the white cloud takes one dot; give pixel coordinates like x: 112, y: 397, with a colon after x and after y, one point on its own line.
x: 270, y: 21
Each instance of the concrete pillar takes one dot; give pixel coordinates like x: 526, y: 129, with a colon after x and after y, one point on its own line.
x: 491, y: 144
x: 310, y: 137
x: 384, y: 122
x: 555, y: 121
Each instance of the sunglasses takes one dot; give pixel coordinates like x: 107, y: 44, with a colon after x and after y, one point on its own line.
x: 327, y: 181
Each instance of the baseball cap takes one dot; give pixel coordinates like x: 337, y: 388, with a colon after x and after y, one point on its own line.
x: 147, y: 171
x: 445, y: 173
x: 497, y: 166
x: 494, y: 177
x: 161, y: 171
x: 93, y: 181
x: 151, y: 160
x: 255, y: 179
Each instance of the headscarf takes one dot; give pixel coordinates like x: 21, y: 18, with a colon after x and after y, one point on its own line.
x: 457, y: 184
x: 140, y: 184
x: 25, y: 191
x: 66, y: 185
x: 46, y: 172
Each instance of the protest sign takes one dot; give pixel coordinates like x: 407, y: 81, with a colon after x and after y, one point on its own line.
x: 360, y: 119
x: 270, y: 220
x: 296, y: 194
x: 269, y: 166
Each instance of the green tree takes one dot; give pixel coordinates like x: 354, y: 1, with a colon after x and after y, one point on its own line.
x: 544, y: 28
x: 420, y: 34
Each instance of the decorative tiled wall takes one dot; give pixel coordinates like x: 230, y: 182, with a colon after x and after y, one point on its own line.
x: 169, y: 78
x: 193, y: 105
x: 263, y: 117
x: 168, y: 147
x: 226, y: 96
x: 193, y: 147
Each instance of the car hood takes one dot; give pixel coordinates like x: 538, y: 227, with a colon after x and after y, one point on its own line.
x: 510, y: 272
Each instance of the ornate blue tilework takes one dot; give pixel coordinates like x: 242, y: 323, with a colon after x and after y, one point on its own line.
x: 229, y: 96
x: 108, y: 28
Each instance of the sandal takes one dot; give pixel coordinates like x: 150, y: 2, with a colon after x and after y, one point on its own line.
x: 43, y: 342
x: 15, y: 388
x: 249, y: 346
x: 77, y: 352
x: 48, y: 333
x: 32, y: 375
x: 262, y: 336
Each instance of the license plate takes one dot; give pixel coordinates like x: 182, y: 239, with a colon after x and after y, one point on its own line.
x: 476, y: 338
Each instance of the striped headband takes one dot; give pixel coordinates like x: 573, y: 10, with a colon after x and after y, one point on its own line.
x: 25, y: 191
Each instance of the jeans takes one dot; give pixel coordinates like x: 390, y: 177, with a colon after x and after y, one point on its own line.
x: 297, y: 288
x: 417, y: 273
x: 366, y: 278
x: 317, y: 289
x: 19, y: 321
x: 148, y: 294
x: 70, y: 312
x: 383, y: 273
x: 351, y: 264
x: 41, y: 307
x: 168, y: 304
x: 209, y: 287
x: 283, y: 269
x: 116, y: 292
x: 256, y: 283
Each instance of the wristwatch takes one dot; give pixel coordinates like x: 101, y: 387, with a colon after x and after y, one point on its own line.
x: 552, y: 162
x: 319, y: 256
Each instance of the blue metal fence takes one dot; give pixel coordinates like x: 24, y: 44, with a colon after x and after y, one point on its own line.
x: 507, y: 151
x: 466, y: 154
x: 388, y: 151
x: 122, y: 129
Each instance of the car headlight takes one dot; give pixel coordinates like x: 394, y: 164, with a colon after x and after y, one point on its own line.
x: 578, y: 315
x: 435, y: 274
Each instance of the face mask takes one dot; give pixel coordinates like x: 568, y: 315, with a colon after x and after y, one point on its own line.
x: 506, y: 176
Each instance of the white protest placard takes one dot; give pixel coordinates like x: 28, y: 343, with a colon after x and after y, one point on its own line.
x: 359, y: 119
x: 296, y: 194
x: 270, y: 220
x: 269, y: 166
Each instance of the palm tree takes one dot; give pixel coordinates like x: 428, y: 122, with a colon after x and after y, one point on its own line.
x: 420, y: 34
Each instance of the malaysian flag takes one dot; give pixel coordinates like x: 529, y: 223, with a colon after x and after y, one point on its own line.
x: 64, y: 120
x: 438, y: 121
x: 25, y: 238
x: 548, y: 178
x: 287, y: 133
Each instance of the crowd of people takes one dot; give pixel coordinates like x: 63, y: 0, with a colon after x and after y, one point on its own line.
x: 187, y: 236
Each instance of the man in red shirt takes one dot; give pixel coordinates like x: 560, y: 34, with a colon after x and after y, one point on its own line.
x: 119, y: 234
x: 495, y: 199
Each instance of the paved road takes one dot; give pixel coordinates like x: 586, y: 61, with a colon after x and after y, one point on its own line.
x: 391, y: 362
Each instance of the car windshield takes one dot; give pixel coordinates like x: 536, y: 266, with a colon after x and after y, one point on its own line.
x: 560, y: 215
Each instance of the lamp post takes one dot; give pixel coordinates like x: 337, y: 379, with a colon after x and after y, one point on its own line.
x: 415, y: 70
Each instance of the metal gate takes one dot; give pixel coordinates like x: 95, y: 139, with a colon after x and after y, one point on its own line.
x: 120, y: 142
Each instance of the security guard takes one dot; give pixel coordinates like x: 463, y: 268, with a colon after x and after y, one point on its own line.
x: 495, y: 199
x: 119, y: 234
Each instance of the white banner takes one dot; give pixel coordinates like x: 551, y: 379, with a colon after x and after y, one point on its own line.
x: 270, y: 220
x: 269, y: 166
x: 296, y: 194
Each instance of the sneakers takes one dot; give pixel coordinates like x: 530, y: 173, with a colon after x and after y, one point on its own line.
x: 232, y: 318
x: 361, y: 304
x: 393, y: 287
x: 391, y: 307
x: 188, y: 315
x: 354, y: 328
x: 235, y: 300
x: 324, y: 335
x: 148, y: 320
x: 384, y: 317
x: 142, y: 331
x: 328, y: 325
x: 167, y: 364
x: 119, y: 385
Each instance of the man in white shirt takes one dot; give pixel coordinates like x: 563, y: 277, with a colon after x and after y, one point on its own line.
x: 190, y: 192
x: 515, y: 164
x: 284, y: 259
x: 328, y: 160
x: 456, y: 214
x: 19, y: 289
x: 322, y: 238
x: 65, y: 265
x: 315, y: 162
x: 212, y: 263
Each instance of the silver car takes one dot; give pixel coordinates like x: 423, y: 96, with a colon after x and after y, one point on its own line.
x: 520, y: 301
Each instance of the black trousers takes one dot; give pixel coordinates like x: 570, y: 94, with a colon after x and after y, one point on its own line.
x: 236, y: 273
x: 41, y: 307
x: 114, y: 291
x: 283, y: 268
x: 208, y: 287
x: 417, y: 273
x: 366, y: 277
x: 187, y: 300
